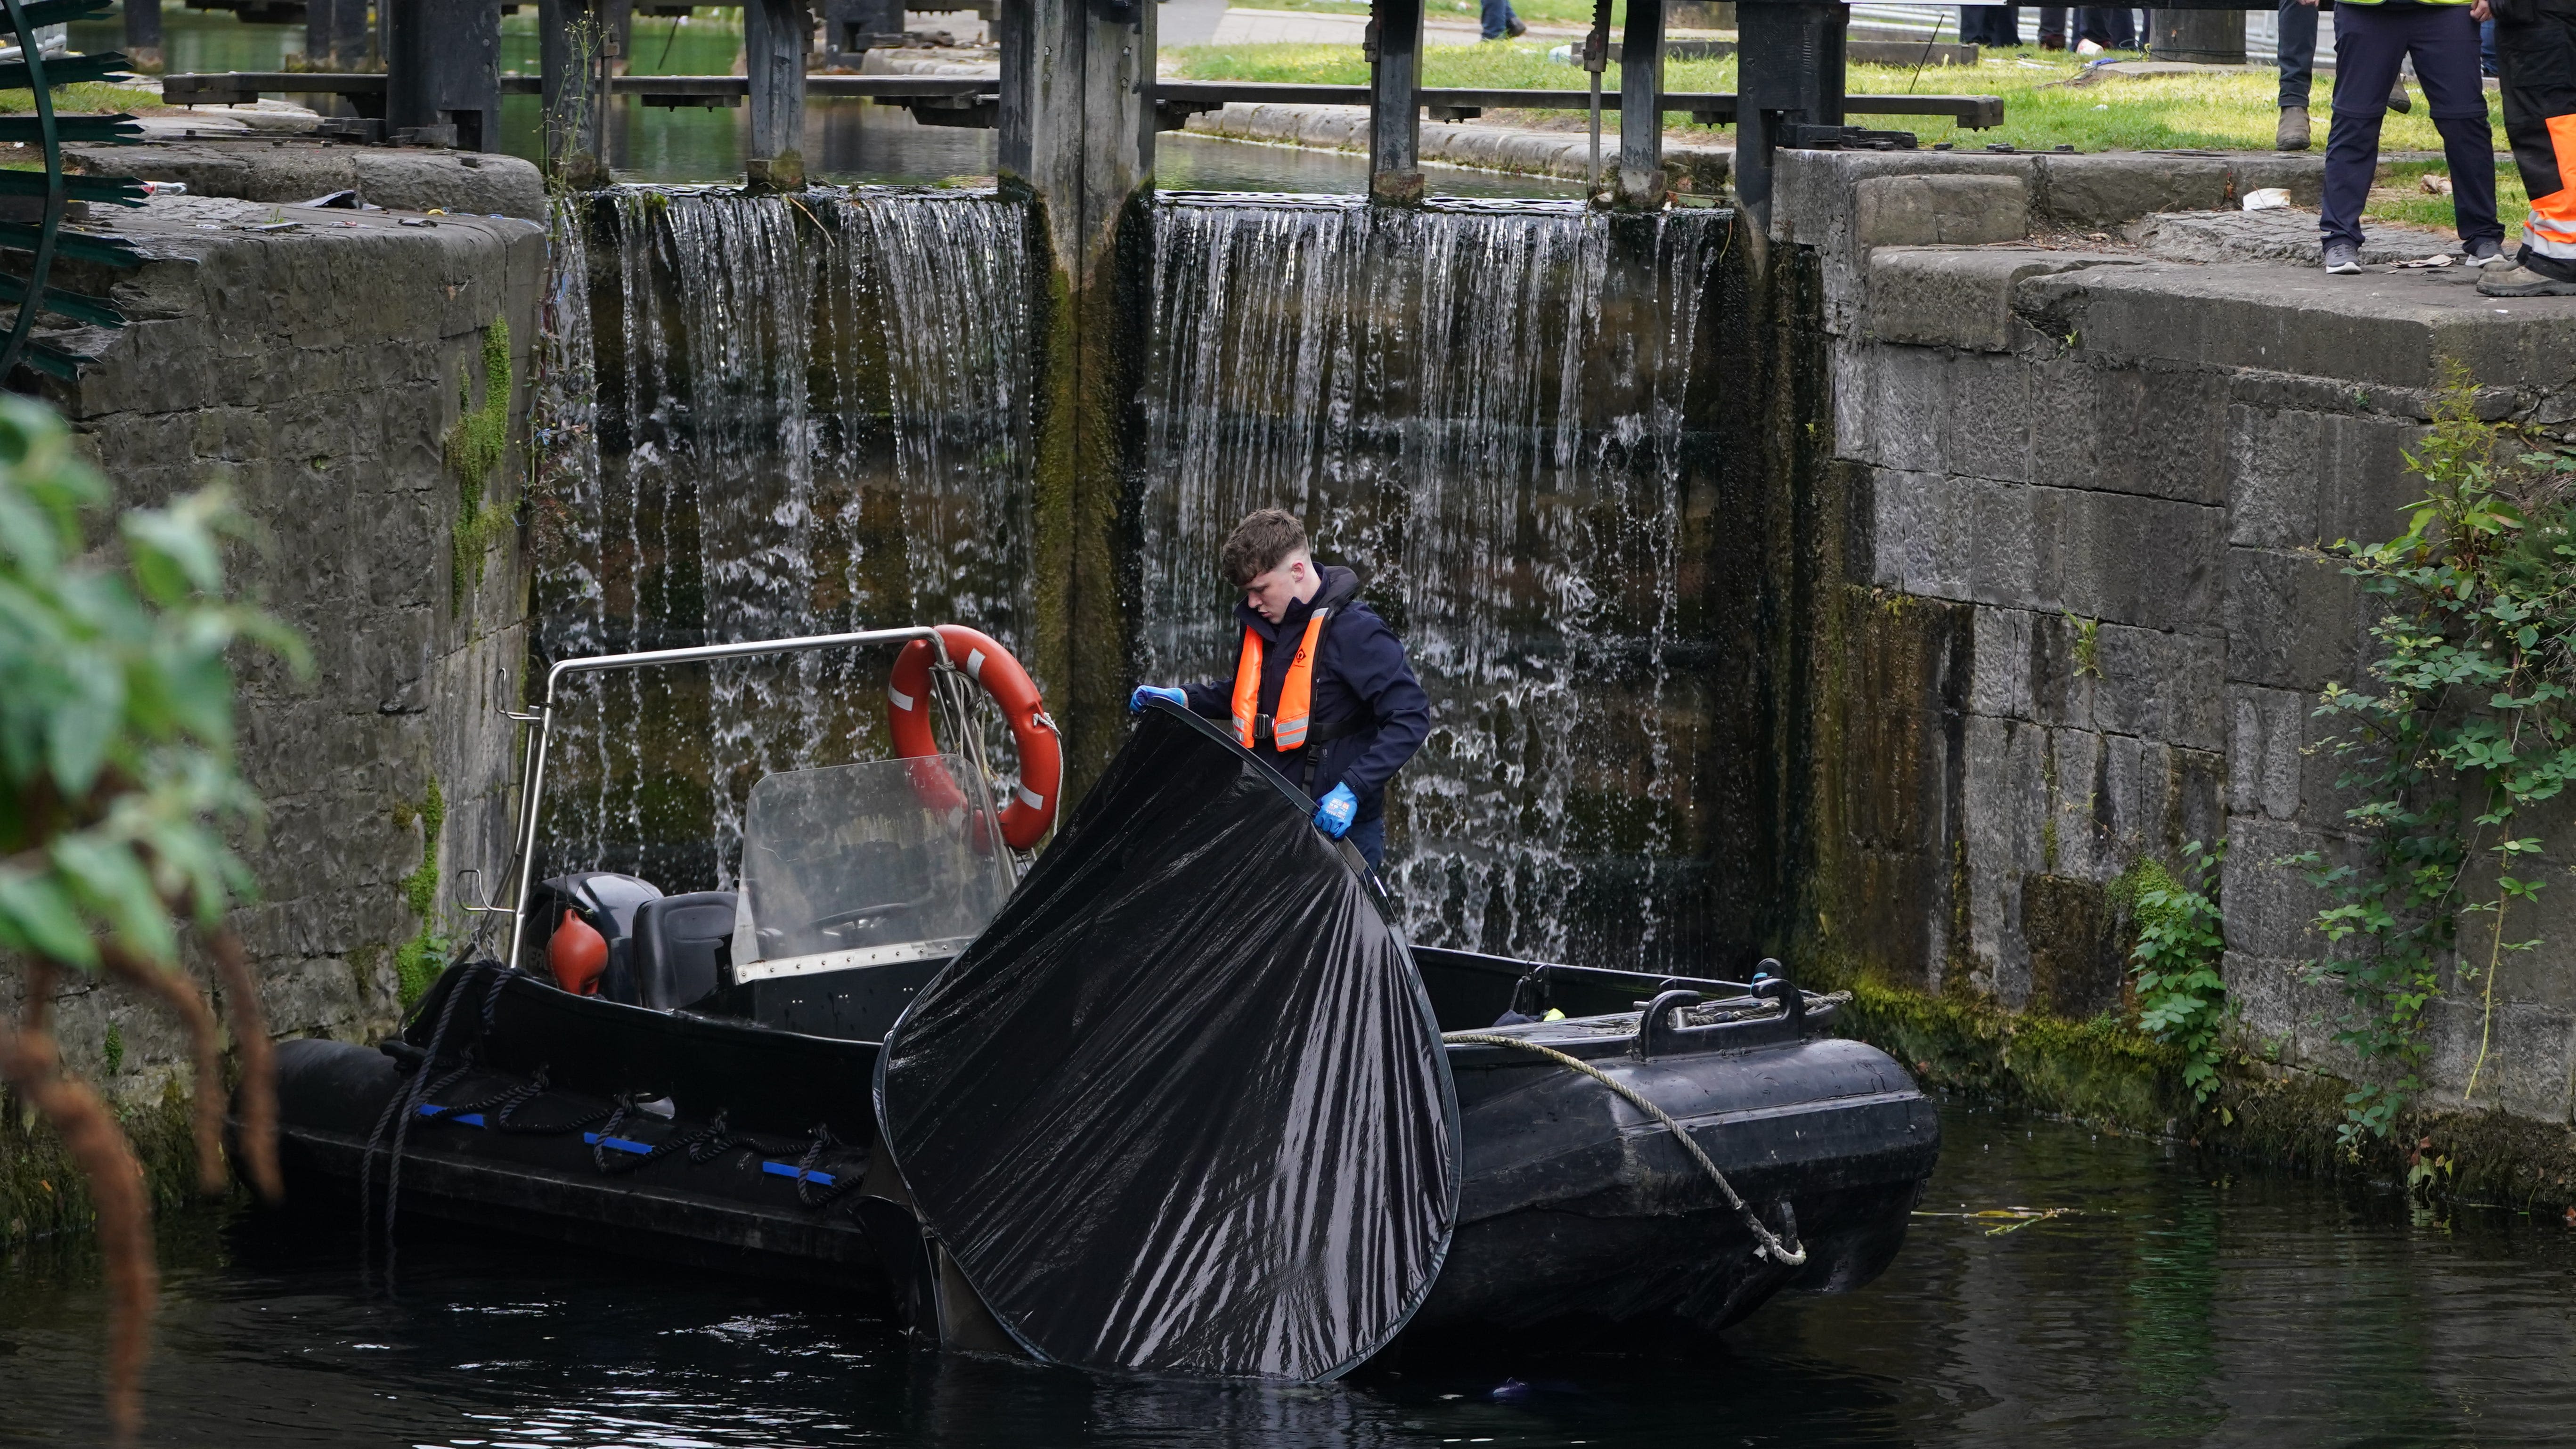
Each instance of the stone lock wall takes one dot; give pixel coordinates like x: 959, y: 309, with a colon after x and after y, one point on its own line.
x: 2086, y: 441
x: 319, y: 372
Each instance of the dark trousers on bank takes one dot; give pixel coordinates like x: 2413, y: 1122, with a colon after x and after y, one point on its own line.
x: 2114, y: 29
x: 2536, y: 63
x: 2296, y: 53
x: 2371, y: 43
x: 1990, y: 24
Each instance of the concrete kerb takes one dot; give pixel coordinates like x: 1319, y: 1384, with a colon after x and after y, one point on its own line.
x: 1699, y: 170
x: 283, y: 171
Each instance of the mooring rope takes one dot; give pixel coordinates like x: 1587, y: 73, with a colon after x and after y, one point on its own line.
x: 1770, y: 1242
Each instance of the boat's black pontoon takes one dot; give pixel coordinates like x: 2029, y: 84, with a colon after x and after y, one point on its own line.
x: 719, y: 1101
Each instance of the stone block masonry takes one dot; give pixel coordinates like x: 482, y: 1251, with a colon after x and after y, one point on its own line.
x: 2086, y: 442
x: 318, y: 373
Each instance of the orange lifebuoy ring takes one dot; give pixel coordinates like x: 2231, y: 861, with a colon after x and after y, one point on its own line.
x: 1032, y: 808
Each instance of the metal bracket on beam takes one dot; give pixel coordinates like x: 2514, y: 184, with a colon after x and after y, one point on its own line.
x: 1802, y: 137
x: 982, y: 113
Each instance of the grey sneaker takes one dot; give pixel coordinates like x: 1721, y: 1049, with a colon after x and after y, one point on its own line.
x: 2343, y: 259
x: 2484, y: 252
x: 2521, y: 281
x: 2293, y: 132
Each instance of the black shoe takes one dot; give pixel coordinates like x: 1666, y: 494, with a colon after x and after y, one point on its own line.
x: 1514, y: 29
x: 2521, y: 281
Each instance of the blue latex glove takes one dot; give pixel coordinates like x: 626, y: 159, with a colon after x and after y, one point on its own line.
x: 1339, y: 807
x: 1144, y: 692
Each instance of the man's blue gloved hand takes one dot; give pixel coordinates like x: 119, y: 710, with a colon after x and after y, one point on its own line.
x: 1144, y: 692
x: 1339, y: 808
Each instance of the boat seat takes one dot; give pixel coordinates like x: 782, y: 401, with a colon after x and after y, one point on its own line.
x: 681, y: 945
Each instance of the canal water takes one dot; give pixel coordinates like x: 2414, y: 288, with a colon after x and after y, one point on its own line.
x: 2174, y: 1300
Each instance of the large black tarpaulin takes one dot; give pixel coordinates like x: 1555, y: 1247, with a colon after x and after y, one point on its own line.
x: 1182, y: 1108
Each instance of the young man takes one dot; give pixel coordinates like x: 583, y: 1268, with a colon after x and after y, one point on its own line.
x: 1321, y: 691
x: 2373, y: 38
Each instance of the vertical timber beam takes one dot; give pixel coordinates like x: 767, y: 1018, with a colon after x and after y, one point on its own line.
x: 1395, y: 114
x: 1789, y: 71
x: 443, y: 70
x: 571, y: 52
x: 776, y: 35
x: 1641, y: 116
x: 1077, y: 144
x: 143, y: 31
x: 2197, y: 37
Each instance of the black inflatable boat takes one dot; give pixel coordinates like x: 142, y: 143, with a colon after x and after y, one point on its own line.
x: 1142, y: 1082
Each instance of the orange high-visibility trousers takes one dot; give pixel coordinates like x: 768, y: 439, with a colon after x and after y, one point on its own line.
x: 2536, y: 65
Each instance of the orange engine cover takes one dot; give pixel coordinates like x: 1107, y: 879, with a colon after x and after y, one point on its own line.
x: 578, y: 954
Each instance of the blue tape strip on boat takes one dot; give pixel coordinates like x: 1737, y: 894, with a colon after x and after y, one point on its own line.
x: 593, y: 1139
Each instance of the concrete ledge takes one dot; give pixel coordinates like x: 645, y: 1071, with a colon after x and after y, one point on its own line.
x: 284, y: 172
x: 1815, y: 193
x: 1937, y: 211
x: 1700, y: 170
x: 2282, y: 234
x: 2389, y: 329
x: 1961, y: 298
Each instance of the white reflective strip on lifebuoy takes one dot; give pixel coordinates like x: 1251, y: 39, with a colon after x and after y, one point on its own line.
x: 901, y: 699
x: 975, y: 665
x: 1032, y: 799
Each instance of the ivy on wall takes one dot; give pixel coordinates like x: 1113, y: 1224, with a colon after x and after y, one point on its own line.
x: 2464, y: 727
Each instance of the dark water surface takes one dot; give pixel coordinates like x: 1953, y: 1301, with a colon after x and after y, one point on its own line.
x: 2175, y: 1303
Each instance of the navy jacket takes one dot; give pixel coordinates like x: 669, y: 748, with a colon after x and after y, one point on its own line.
x: 1360, y: 677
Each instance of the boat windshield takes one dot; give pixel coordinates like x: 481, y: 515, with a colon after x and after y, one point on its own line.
x: 861, y: 865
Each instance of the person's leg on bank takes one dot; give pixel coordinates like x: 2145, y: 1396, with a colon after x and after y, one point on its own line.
x: 2536, y: 62
x: 2370, y: 43
x: 2444, y: 47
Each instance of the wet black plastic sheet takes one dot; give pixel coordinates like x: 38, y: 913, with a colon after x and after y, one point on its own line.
x: 1183, y: 1107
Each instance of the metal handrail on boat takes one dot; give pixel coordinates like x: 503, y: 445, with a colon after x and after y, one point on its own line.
x: 533, y: 777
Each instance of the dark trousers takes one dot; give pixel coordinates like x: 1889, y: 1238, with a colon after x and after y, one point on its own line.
x: 2536, y: 60
x: 1498, y: 18
x: 1990, y: 24
x: 2371, y: 42
x: 2297, y: 53
x: 2111, y: 29
x: 2052, y: 24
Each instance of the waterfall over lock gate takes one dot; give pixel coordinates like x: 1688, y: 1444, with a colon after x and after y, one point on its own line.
x: 814, y: 413
x: 810, y: 417
x: 1488, y: 411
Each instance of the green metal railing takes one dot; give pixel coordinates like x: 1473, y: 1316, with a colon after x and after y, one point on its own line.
x: 48, y: 239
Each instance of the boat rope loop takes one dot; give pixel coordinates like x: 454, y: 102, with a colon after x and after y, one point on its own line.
x: 1770, y: 1244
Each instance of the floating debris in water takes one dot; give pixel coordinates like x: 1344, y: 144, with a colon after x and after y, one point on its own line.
x: 2007, y: 1219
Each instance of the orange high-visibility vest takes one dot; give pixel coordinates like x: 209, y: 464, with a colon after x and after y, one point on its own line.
x: 1296, y: 693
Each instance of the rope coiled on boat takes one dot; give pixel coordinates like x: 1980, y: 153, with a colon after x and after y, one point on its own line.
x: 1770, y: 1244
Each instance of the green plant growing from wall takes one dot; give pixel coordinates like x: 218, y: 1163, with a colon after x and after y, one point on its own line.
x: 2087, y: 646
x: 120, y: 794
x: 2468, y: 726
x: 418, y: 961
x: 475, y: 447
x: 2182, y: 939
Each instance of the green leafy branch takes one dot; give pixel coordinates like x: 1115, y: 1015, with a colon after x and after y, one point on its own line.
x: 2466, y: 726
x: 2182, y: 940
x: 118, y: 792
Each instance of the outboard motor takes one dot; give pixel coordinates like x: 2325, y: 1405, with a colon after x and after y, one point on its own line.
x: 605, y: 902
